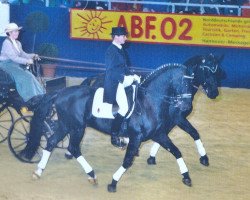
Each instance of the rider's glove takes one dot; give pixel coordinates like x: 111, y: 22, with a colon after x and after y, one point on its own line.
x: 36, y: 57
x: 137, y: 78
x: 128, y: 80
x: 29, y: 62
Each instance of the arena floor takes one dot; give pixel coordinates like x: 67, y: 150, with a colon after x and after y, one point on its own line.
x: 224, y: 128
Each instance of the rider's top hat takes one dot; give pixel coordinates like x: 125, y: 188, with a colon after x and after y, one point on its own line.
x: 12, y: 27
x: 119, y: 31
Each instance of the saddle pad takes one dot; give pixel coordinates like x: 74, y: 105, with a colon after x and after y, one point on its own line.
x: 99, y: 108
x: 106, y: 110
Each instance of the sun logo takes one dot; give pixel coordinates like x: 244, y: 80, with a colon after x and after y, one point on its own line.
x: 93, y: 24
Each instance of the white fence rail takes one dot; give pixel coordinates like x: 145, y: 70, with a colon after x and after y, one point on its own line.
x: 172, y: 7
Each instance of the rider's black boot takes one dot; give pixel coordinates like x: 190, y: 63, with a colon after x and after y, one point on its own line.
x: 116, y: 125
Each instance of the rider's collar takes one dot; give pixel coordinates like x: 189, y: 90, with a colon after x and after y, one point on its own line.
x: 116, y: 44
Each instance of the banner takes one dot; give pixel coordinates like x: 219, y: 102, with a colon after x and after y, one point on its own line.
x: 163, y: 28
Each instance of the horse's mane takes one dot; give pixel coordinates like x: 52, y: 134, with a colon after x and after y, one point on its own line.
x: 158, y: 71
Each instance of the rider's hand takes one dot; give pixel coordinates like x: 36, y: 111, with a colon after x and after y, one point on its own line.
x: 29, y: 62
x: 128, y: 80
x: 137, y: 78
x: 36, y: 57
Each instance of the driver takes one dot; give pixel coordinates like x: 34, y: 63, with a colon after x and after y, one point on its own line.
x: 12, y: 56
x: 117, y: 77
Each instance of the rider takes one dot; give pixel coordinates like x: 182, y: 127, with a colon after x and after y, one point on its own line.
x: 117, y: 77
x: 11, y: 58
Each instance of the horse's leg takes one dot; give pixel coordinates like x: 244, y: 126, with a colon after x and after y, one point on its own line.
x: 167, y: 144
x: 75, y: 150
x: 155, y: 147
x: 131, y: 152
x: 58, y: 135
x: 185, y: 125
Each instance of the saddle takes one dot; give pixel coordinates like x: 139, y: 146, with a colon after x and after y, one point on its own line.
x: 101, y: 109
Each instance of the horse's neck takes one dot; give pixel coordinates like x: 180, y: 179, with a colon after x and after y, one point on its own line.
x: 196, y: 81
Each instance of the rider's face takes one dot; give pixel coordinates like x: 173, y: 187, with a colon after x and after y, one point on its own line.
x: 120, y: 39
x: 14, y: 34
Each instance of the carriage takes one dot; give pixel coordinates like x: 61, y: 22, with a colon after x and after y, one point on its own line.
x: 14, y: 123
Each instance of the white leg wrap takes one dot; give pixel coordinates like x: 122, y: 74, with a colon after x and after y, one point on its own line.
x: 182, y: 165
x: 118, y: 174
x: 154, y: 149
x: 43, y: 162
x: 85, y: 165
x: 200, y: 147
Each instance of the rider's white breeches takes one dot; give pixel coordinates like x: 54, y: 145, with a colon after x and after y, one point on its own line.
x: 121, y: 99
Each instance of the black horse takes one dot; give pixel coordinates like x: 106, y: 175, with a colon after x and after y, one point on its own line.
x: 206, y: 76
x: 166, y: 88
x: 159, y: 95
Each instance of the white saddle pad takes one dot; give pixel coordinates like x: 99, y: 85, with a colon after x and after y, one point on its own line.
x: 101, y: 109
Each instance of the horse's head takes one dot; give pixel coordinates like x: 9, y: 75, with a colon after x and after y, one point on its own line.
x: 208, y: 74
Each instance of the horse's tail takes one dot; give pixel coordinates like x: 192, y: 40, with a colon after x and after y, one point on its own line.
x: 37, y: 124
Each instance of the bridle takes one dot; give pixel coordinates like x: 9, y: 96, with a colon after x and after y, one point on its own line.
x: 213, y: 69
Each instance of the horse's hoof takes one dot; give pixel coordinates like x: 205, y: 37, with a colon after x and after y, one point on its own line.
x: 204, y: 160
x: 68, y: 156
x: 93, y: 181
x: 187, y: 181
x: 111, y: 188
x: 35, y: 176
x: 151, y: 161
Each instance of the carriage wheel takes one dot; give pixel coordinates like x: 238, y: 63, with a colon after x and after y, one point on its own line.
x: 18, y: 136
x: 6, y: 120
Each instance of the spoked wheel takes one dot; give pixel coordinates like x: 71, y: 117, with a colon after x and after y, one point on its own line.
x: 6, y: 120
x: 18, y: 137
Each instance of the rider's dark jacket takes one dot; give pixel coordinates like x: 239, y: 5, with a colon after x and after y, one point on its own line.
x: 116, y: 68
